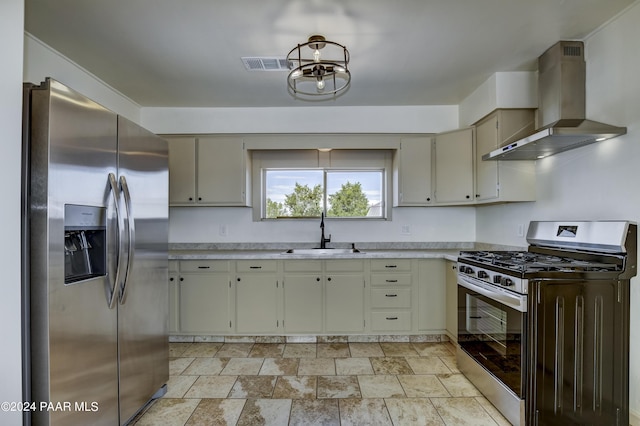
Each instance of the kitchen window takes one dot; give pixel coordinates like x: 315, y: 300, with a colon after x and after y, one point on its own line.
x: 305, y: 183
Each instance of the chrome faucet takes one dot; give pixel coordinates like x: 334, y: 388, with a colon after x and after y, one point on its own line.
x: 323, y: 240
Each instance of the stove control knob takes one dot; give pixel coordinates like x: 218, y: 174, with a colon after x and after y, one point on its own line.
x: 466, y: 270
x: 482, y: 274
x: 497, y: 279
x: 507, y: 282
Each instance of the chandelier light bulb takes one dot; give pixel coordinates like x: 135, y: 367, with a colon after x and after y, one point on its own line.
x: 296, y: 74
x: 316, y: 55
x: 320, y: 84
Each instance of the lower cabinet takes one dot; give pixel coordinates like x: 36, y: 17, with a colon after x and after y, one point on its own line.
x: 344, y: 303
x: 174, y: 298
x: 202, y: 297
x: 256, y: 295
x: 391, y: 288
x: 431, y: 296
x: 303, y: 305
x: 344, y: 296
x: 451, y: 281
x: 204, y: 303
x: 298, y: 296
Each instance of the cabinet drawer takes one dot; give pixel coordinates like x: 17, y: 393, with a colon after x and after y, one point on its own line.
x: 173, y: 266
x: 390, y: 264
x: 391, y: 298
x: 344, y: 265
x: 303, y: 266
x: 391, y: 321
x: 204, y: 266
x: 256, y: 266
x: 390, y: 279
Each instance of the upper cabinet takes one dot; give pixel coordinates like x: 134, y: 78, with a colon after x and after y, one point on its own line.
x: 182, y: 166
x: 208, y: 171
x: 453, y: 167
x: 412, y: 172
x: 223, y: 171
x: 503, y: 181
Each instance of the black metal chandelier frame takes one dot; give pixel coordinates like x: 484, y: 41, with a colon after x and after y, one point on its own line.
x: 319, y: 70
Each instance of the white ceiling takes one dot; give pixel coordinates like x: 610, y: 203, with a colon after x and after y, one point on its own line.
x: 186, y: 53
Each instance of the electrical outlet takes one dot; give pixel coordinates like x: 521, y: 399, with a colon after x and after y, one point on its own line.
x: 405, y: 230
x: 520, y: 232
x: 223, y: 230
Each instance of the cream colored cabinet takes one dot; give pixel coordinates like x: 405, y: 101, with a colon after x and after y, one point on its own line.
x: 303, y: 296
x: 502, y: 181
x: 256, y: 296
x: 391, y: 290
x: 431, y: 295
x: 412, y: 172
x: 204, y: 297
x: 208, y: 171
x: 223, y: 171
x: 451, y: 274
x: 344, y: 296
x: 453, y: 167
x: 174, y: 298
x: 182, y: 170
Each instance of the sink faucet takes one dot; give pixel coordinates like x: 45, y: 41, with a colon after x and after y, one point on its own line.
x: 323, y: 240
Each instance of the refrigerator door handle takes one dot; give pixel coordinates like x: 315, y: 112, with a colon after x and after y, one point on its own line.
x: 132, y: 238
x: 111, y: 298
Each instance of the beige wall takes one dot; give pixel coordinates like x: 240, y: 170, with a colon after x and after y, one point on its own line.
x: 11, y: 36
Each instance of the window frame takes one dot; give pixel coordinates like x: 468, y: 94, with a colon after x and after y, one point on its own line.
x: 364, y: 160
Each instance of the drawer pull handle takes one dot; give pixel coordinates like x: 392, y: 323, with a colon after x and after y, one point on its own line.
x: 390, y: 266
x: 391, y: 295
x: 392, y: 318
x: 204, y: 267
x: 255, y: 267
x: 391, y: 281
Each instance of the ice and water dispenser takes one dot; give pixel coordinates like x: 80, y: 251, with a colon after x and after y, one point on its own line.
x: 85, y: 242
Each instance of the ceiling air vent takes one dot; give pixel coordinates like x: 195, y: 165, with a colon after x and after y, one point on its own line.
x: 259, y: 63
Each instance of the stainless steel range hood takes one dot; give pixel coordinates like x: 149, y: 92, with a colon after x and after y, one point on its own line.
x: 561, y: 98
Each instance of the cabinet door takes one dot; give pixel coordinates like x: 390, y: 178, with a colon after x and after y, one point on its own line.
x: 222, y: 171
x: 182, y: 171
x: 174, y: 300
x: 412, y: 172
x: 303, y: 303
x: 204, y: 303
x: 499, y: 181
x: 486, y: 171
x: 453, y: 163
x: 432, y: 295
x: 451, y: 274
x: 344, y: 303
x: 256, y: 303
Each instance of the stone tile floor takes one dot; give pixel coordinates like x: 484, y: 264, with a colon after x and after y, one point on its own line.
x: 318, y: 384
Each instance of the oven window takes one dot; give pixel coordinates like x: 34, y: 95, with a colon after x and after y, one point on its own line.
x: 494, y: 335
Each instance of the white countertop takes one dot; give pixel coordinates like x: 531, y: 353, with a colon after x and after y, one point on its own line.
x: 280, y: 254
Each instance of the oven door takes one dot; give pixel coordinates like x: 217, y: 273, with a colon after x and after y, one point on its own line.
x: 492, y: 330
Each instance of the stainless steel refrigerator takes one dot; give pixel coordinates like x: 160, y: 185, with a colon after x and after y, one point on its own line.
x: 94, y: 260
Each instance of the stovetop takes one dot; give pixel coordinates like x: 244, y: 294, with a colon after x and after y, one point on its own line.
x: 526, y: 262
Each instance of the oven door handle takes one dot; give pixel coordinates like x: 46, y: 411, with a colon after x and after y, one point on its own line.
x: 519, y: 303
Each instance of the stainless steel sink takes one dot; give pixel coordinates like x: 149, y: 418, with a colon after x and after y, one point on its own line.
x: 319, y: 251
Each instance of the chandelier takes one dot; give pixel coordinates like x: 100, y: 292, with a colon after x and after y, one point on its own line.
x: 320, y: 70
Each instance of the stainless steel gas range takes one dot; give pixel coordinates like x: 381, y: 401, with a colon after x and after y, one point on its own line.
x: 544, y: 333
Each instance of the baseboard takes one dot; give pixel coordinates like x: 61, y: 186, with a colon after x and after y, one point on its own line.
x: 360, y: 338
x: 634, y: 418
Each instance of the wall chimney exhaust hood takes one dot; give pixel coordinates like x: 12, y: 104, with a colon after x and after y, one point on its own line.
x: 561, y: 99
